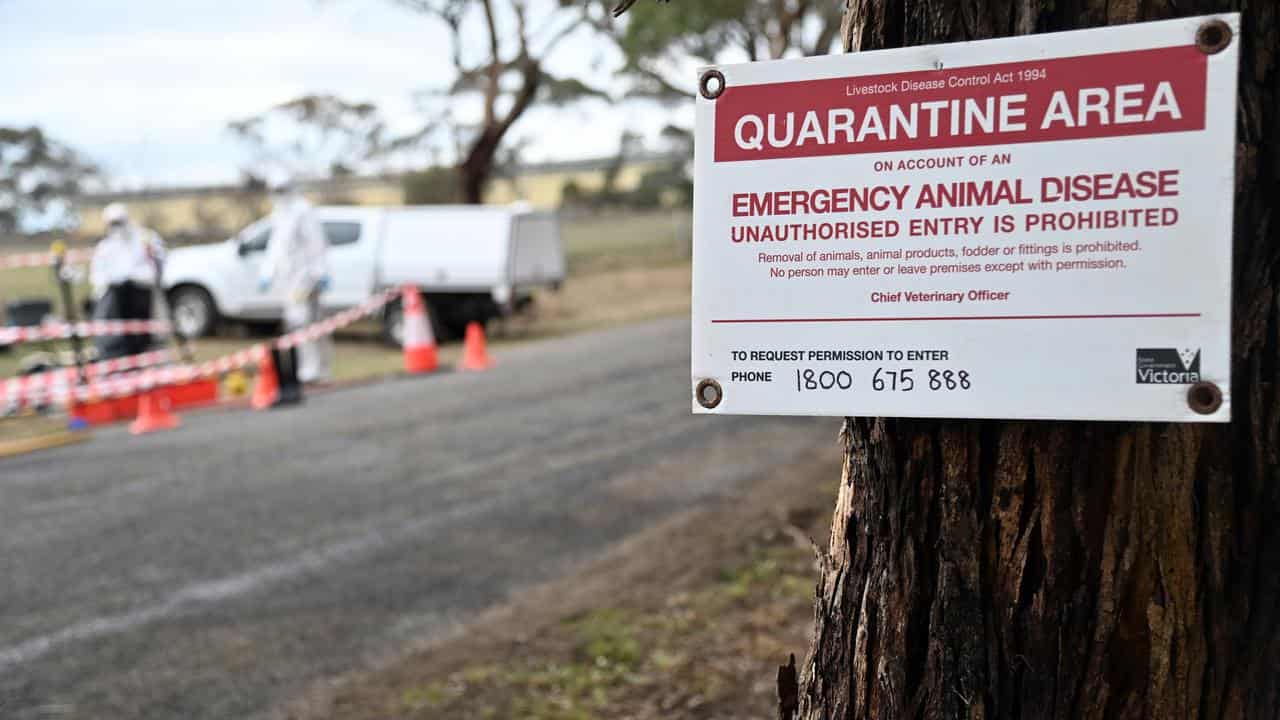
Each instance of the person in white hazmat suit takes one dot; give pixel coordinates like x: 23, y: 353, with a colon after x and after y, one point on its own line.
x: 297, y: 267
x: 122, y: 277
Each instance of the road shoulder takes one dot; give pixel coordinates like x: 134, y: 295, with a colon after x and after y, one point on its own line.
x: 20, y: 436
x: 687, y: 619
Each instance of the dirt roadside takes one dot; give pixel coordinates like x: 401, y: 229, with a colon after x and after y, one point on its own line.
x: 689, y: 619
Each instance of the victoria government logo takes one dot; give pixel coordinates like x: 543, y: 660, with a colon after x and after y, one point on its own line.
x: 1168, y: 366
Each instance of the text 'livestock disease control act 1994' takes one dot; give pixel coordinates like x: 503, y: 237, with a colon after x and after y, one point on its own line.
x: 1034, y: 227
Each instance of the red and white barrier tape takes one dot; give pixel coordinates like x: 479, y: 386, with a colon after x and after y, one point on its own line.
x: 132, y: 383
x: 92, y: 328
x: 44, y: 259
x: 35, y: 384
x: 130, y: 362
x: 329, y: 325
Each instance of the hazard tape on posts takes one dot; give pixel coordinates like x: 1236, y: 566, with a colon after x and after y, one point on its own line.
x: 91, y: 371
x: 62, y: 389
x: 43, y: 259
x: 93, y: 328
x: 21, y: 390
x: 330, y: 325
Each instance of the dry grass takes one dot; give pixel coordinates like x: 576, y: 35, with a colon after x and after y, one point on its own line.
x: 701, y: 653
x: 613, y: 241
x: 28, y: 427
x: 606, y: 298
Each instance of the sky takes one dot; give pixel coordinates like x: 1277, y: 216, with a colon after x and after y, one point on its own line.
x: 145, y: 88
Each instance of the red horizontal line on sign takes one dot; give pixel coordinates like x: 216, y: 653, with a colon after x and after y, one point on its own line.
x: 940, y: 318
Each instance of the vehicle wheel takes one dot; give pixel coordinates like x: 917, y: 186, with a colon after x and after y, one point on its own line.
x: 194, y: 313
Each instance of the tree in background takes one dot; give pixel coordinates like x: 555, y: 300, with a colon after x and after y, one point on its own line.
x: 432, y: 186
x: 508, y: 75
x: 39, y: 179
x: 662, y: 42
x: 667, y: 184
x: 671, y: 183
x: 314, y: 136
x: 438, y: 184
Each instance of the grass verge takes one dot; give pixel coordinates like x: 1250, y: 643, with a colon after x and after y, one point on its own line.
x: 21, y: 435
x: 706, y: 651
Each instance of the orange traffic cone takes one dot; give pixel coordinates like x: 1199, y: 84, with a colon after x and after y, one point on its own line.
x: 266, y: 389
x: 419, y: 342
x: 474, y: 354
x: 153, y: 414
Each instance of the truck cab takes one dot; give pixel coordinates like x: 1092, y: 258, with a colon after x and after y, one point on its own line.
x: 220, y: 281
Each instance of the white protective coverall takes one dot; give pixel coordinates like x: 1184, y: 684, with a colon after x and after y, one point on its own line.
x: 125, y: 255
x: 297, y: 267
x: 122, y: 276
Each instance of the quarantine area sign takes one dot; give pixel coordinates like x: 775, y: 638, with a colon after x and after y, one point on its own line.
x: 1035, y: 227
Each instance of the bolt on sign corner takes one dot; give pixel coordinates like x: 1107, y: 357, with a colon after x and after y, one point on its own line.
x: 1032, y: 227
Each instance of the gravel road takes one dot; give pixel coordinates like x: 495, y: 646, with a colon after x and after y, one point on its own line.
x: 214, y: 571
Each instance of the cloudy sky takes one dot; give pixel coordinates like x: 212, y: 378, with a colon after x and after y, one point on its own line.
x: 146, y: 87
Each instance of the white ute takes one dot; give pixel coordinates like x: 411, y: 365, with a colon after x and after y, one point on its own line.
x: 470, y: 263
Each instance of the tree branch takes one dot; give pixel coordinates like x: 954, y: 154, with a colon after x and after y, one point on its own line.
x: 522, y: 25
x: 831, y: 18
x: 494, y: 70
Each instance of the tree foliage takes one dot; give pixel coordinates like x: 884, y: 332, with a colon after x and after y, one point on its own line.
x: 667, y: 183
x: 508, y: 73
x: 658, y: 41
x: 39, y: 178
x: 312, y: 135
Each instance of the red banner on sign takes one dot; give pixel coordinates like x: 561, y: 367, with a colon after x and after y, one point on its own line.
x: 1093, y: 96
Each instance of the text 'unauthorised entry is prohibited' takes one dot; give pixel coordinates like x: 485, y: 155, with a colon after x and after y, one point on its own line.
x: 1033, y: 227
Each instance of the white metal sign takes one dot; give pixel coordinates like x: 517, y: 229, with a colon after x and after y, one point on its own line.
x: 1034, y: 227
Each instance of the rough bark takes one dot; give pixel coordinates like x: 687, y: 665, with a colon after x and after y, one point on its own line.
x: 1069, y: 570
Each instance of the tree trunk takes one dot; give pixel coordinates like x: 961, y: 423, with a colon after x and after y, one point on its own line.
x: 477, y: 167
x: 1069, y: 570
